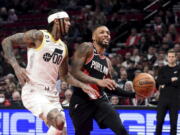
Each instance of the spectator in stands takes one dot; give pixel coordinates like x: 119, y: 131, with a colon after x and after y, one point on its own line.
x: 127, y: 100
x: 3, y: 15
x: 168, y: 39
x: 177, y: 47
x: 133, y: 39
x: 3, y: 101
x: 63, y: 87
x: 68, y: 95
x: 161, y: 59
x: 137, y: 72
x: 16, y: 100
x: 174, y: 33
x: 12, y: 17
x: 158, y: 25
x: 151, y: 55
x: 135, y: 56
x: 116, y: 61
x: 99, y: 17
x: 143, y: 44
x: 159, y: 28
x: 10, y: 85
x: 127, y: 62
x: 123, y: 79
x: 114, y: 100
x: 146, y: 69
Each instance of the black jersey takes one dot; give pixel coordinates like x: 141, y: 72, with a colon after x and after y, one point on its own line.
x: 96, y: 67
x: 171, y: 89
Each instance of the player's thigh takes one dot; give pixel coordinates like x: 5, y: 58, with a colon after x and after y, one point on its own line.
x: 38, y: 103
x: 82, y: 116
x: 106, y: 111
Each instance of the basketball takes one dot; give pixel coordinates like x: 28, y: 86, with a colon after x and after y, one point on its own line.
x: 144, y: 84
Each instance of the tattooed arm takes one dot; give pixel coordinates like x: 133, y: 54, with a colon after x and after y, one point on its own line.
x: 82, y: 54
x: 31, y: 38
x: 67, y: 77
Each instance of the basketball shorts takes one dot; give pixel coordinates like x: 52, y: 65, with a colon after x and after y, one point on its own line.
x: 82, y: 114
x: 40, y: 101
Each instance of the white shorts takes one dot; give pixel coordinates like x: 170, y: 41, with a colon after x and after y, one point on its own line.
x: 39, y: 101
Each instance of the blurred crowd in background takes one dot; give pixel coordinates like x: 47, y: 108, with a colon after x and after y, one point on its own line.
x: 139, y: 41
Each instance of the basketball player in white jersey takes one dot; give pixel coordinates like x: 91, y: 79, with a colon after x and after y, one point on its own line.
x: 47, y: 58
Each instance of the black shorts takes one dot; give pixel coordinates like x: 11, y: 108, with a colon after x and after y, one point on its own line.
x: 83, y: 112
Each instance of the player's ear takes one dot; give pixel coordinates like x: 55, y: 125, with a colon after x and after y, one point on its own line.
x: 56, y: 21
x: 93, y: 37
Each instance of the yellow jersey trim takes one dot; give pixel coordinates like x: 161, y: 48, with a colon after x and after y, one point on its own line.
x: 66, y: 49
x: 53, y: 38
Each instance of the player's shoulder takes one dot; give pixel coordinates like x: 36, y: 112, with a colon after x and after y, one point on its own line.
x: 85, y: 47
x: 34, y: 33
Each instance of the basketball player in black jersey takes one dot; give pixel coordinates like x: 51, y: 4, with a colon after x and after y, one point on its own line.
x: 91, y: 66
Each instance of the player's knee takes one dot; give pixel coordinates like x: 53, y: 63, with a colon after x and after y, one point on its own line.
x: 60, y: 122
x: 56, y: 119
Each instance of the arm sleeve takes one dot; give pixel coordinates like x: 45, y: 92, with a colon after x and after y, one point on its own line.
x: 119, y: 92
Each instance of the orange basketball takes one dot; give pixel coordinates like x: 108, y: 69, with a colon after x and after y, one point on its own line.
x: 144, y: 84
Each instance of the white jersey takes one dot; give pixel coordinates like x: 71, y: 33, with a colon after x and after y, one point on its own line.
x: 44, y: 62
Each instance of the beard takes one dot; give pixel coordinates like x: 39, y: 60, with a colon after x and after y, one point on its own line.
x: 103, y: 44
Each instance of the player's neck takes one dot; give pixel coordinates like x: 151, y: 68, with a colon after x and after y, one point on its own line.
x: 55, y: 34
x: 100, y: 50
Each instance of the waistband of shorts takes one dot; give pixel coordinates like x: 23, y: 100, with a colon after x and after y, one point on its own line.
x: 41, y: 86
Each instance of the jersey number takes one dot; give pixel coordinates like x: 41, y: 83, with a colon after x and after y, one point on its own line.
x: 56, y: 56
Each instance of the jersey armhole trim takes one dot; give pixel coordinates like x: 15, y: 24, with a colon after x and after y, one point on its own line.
x: 42, y: 43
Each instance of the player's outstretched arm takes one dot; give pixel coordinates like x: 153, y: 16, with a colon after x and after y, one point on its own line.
x: 29, y: 39
x: 83, y: 53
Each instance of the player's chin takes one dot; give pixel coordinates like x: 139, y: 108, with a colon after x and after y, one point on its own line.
x: 105, y: 45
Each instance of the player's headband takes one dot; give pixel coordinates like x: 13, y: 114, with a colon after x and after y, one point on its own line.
x: 57, y: 15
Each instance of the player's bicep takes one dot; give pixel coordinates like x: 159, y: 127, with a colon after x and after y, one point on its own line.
x: 32, y: 36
